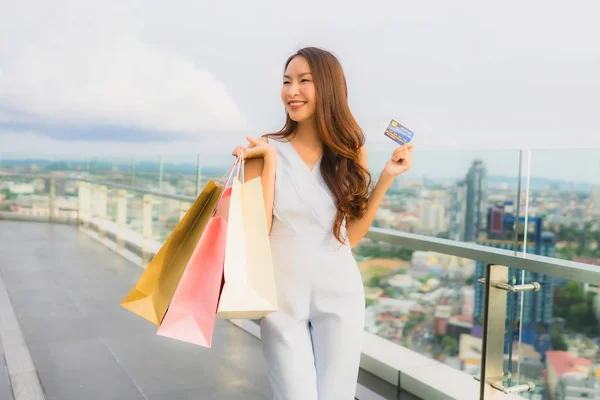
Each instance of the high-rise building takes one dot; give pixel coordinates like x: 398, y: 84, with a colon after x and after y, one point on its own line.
x: 458, y: 210
x: 467, y: 209
x: 432, y: 217
x: 476, y: 200
x: 535, y: 317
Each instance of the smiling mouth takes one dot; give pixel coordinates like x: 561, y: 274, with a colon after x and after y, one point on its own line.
x: 296, y: 104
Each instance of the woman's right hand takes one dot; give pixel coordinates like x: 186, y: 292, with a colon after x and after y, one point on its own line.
x: 256, y: 149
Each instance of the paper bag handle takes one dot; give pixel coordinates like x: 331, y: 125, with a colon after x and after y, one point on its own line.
x: 240, y: 163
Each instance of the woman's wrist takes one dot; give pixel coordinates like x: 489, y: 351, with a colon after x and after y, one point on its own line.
x: 386, y: 179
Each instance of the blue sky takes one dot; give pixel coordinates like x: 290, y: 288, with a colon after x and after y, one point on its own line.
x: 149, y: 77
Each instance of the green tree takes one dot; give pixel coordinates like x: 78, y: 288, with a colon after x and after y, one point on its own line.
x: 373, y: 282
x: 8, y: 194
x: 376, y: 251
x: 558, y: 341
x: 444, y: 235
x: 566, y: 253
x: 577, y: 314
x: 567, y: 233
x: 571, y: 294
x: 577, y: 308
x: 583, y: 238
x: 450, y: 345
x: 428, y: 277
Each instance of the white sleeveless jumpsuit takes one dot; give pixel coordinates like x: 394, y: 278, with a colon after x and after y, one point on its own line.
x: 313, y: 344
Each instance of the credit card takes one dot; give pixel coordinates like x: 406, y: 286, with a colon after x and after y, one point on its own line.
x: 398, y: 133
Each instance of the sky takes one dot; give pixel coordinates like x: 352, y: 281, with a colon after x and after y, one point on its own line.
x: 142, y: 78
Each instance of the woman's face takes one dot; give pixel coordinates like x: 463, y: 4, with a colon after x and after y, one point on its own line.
x: 298, y: 90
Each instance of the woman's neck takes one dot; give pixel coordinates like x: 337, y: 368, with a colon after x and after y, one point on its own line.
x: 306, y: 132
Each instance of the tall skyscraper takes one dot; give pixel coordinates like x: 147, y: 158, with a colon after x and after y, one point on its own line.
x: 467, y: 210
x: 536, y: 316
x: 458, y: 210
x: 476, y: 200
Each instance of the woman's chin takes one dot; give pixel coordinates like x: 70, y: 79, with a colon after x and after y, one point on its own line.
x: 299, y: 116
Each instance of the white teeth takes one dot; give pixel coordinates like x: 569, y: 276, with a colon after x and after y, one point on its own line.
x: 298, y: 103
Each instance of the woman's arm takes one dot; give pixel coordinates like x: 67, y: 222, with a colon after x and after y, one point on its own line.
x: 264, y: 166
x: 358, y: 228
x: 400, y: 162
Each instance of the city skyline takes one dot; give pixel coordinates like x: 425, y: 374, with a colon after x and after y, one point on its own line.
x: 579, y: 167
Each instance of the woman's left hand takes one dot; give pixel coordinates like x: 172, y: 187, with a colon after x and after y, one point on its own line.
x: 400, y: 161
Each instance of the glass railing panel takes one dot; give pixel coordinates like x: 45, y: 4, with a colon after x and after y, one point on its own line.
x: 135, y: 206
x: 146, y: 171
x: 568, y: 347
x: 28, y: 180
x: 425, y: 301
x: 121, y: 170
x: 562, y: 213
x: 181, y: 174
x: 100, y: 168
x: 112, y: 203
x: 97, y: 206
x: 23, y: 189
x: 448, y: 194
x: 26, y: 163
x: 166, y: 215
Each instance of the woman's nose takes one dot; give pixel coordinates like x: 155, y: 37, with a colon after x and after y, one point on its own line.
x: 294, y: 90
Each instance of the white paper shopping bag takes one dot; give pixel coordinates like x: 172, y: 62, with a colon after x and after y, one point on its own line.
x: 249, y: 290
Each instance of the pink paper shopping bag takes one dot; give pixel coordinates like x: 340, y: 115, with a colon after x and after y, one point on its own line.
x: 192, y: 312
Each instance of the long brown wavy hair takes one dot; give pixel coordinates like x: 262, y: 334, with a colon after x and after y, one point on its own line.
x: 342, y: 137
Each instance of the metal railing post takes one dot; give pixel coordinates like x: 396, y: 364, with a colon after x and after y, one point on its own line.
x: 121, y: 219
x: 84, y: 204
x: 184, y: 206
x: 161, y: 168
x: 494, y: 328
x: 102, y: 210
x: 52, y: 200
x: 198, y: 175
x: 146, y: 229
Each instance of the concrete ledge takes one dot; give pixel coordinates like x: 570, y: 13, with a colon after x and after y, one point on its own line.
x: 22, y: 374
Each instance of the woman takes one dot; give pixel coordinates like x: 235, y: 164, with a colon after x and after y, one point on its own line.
x: 317, y: 195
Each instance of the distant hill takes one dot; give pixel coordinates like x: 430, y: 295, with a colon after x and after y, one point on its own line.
x: 189, y: 168
x: 539, y: 183
x: 142, y: 166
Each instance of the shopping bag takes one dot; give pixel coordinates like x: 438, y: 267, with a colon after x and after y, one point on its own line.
x: 192, y: 313
x: 249, y: 290
x: 154, y: 289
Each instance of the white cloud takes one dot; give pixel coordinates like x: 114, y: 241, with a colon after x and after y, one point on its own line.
x: 462, y: 75
x: 76, y: 63
x: 25, y: 144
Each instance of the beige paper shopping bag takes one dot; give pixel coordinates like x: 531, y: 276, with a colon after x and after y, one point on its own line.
x: 249, y: 290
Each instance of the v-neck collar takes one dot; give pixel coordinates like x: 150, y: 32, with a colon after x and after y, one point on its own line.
x: 301, y: 160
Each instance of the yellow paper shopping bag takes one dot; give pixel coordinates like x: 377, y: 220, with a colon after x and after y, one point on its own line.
x: 154, y: 290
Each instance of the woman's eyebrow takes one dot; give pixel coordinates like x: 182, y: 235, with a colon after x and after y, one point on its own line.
x: 302, y: 74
